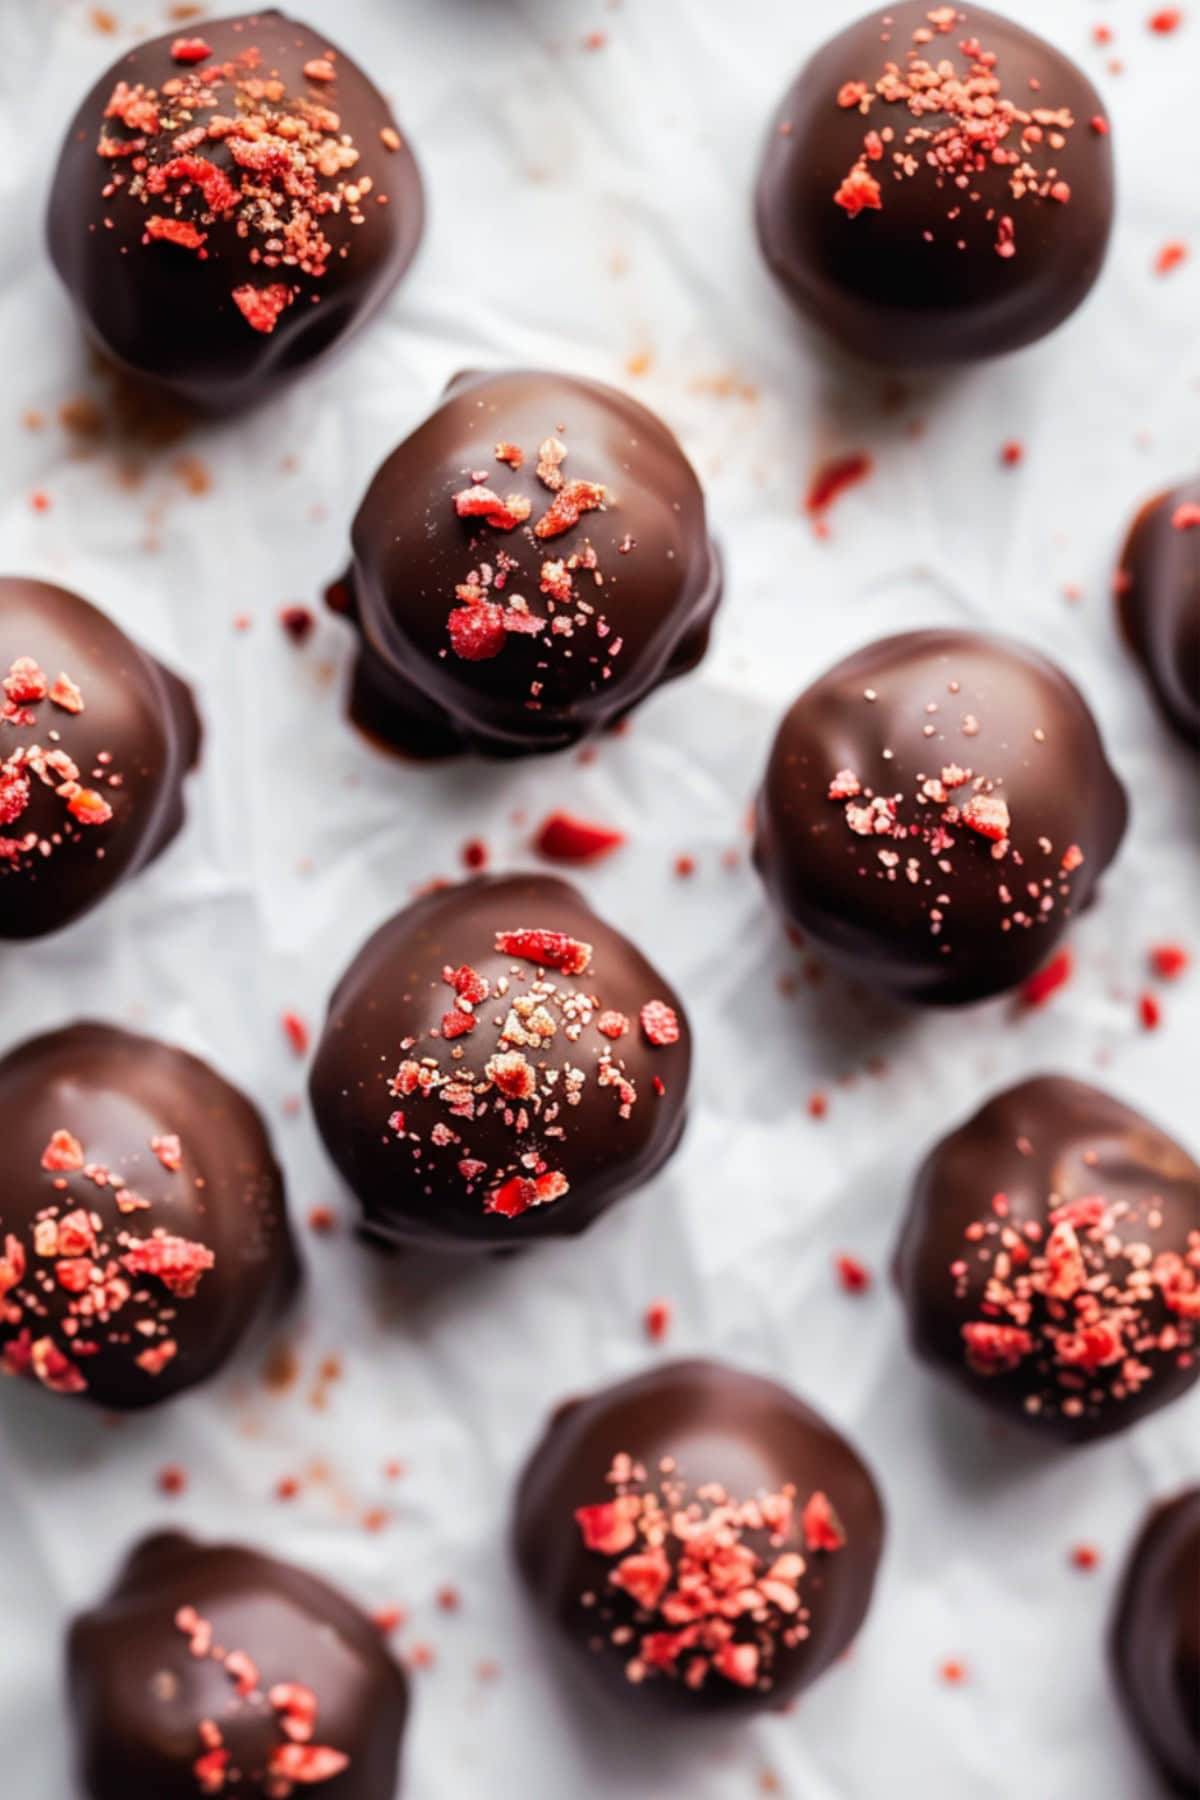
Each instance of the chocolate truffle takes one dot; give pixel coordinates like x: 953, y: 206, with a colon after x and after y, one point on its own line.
x: 499, y: 1065
x: 228, y: 205
x: 1050, y: 1261
x: 95, y: 740
x: 936, y: 809
x: 937, y: 186
x: 210, y: 1669
x: 702, y: 1540
x: 1156, y: 1640
x: 528, y: 566
x: 1158, y: 593
x: 142, y: 1220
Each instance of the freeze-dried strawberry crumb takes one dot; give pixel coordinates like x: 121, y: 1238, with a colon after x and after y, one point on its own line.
x: 261, y: 307
x: 25, y: 683
x: 168, y: 1150
x: 477, y: 632
x: 612, y: 1025
x: 657, y: 1320
x: 175, y: 231
x: 177, y: 1262
x: 1057, y: 972
x: 320, y: 68
x: 823, y: 1530
x: 296, y: 1032
x: 854, y: 1276
x: 995, y: 1349
x: 512, y: 454
x: 467, y: 983
x: 306, y: 1764
x: 64, y: 1152
x: 859, y: 192
x: 66, y: 695
x: 482, y: 503
x: 552, y: 949
x: 1166, y: 20
x: 190, y: 50
x: 1012, y: 453
x: 474, y: 854
x: 1171, y: 255
x: 1085, y: 1556
x: 1149, y: 1012
x: 953, y: 1672
x: 569, y: 504
x: 562, y: 837
x: 1186, y: 517
x: 660, y: 1023
x: 988, y: 815
x: 832, y: 479
x: 457, y: 1024
x: 14, y: 795
x: 519, y: 1194
x: 1169, y: 960
x: 89, y: 807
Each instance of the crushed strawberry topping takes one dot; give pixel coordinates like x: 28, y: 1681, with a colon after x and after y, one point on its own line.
x: 1087, y: 1297
x: 289, y: 193
x: 660, y: 1023
x: 29, y: 767
x: 295, y: 1762
x: 550, y: 949
x: 703, y: 1586
x: 924, y: 117
x: 564, y: 838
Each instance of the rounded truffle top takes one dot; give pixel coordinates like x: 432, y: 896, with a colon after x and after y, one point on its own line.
x: 230, y: 203
x: 1050, y: 1261
x: 210, y: 1669
x: 142, y: 1220
x: 937, y: 186
x: 1156, y: 1639
x: 1158, y: 593
x: 533, y: 559
x: 936, y: 809
x: 706, y: 1542
x: 95, y: 739
x: 499, y: 1065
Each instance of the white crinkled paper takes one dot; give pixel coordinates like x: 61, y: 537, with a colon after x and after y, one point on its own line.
x: 591, y: 209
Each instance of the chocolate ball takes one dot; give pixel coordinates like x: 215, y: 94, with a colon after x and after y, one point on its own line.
x: 142, y: 1220
x: 700, y: 1539
x: 937, y: 186
x: 1050, y: 1261
x: 96, y: 738
x: 499, y: 1065
x: 1155, y: 1641
x: 936, y: 810
x: 229, y: 203
x: 528, y: 565
x: 209, y: 1669
x: 1158, y: 594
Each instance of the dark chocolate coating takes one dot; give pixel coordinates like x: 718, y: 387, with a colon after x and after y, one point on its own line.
x: 968, y: 771
x: 158, y: 1712
x: 1155, y: 1642
x: 737, y: 1443
x: 142, y: 1220
x: 638, y: 617
x: 936, y: 237
x: 1050, y: 1261
x: 269, y: 200
x: 1158, y: 592
x: 129, y: 748
x: 568, y: 1101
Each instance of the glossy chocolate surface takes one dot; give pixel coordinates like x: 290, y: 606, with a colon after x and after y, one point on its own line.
x: 528, y: 565
x: 476, y: 1097
x: 96, y: 738
x: 1050, y: 1262
x: 231, y: 200
x: 701, y: 1539
x: 1155, y: 1640
x: 937, y: 186
x: 937, y: 809
x: 1158, y: 592
x: 209, y: 1669
x: 142, y: 1220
